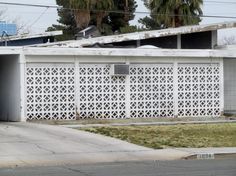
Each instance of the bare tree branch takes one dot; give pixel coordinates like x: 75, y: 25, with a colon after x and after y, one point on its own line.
x: 21, y: 26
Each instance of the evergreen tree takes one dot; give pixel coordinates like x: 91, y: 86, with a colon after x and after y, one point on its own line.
x: 121, y: 20
x: 66, y: 20
x: 78, y: 14
x: 81, y: 12
x: 101, y: 7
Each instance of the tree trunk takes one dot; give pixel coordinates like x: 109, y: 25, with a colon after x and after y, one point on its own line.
x: 99, y: 18
x: 127, y: 16
x: 173, y: 22
x: 82, y: 18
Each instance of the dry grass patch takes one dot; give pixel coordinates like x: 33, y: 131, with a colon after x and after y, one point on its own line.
x: 125, y: 121
x: 197, y: 136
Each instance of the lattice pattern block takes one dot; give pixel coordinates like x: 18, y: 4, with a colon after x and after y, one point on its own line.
x: 101, y: 95
x: 151, y: 90
x: 198, y: 90
x: 50, y: 91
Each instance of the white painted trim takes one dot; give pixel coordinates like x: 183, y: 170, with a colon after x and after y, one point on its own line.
x: 116, y: 59
x: 50, y: 59
x: 10, y: 50
x: 103, y: 52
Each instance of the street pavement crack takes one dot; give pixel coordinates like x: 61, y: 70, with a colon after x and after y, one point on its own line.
x: 77, y: 171
x: 45, y: 149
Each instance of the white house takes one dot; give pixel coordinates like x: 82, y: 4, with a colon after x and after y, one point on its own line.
x: 184, y: 75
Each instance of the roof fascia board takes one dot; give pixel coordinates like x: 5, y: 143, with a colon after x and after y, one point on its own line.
x: 129, y: 52
x: 10, y: 50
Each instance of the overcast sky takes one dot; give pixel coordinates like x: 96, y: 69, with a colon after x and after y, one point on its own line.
x: 38, y: 19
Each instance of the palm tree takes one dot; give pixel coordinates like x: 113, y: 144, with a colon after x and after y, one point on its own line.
x: 175, y: 13
x: 81, y: 11
x: 101, y: 7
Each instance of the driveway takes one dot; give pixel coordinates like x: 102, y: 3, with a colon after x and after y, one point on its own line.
x: 28, y: 144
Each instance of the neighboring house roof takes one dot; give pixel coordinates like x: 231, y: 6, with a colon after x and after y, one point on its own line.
x: 28, y: 36
x: 89, y: 32
x: 28, y: 40
x: 144, y: 35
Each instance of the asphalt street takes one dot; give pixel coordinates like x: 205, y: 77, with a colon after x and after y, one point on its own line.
x: 145, y: 168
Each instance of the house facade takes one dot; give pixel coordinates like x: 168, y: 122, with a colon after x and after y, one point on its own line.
x: 75, y: 80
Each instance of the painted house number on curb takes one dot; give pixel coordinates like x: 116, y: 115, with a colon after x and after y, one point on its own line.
x: 206, y: 156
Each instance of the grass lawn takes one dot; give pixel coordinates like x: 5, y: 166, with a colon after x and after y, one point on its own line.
x: 207, y: 135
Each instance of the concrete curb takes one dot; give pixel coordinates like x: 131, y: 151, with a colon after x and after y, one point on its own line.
x: 91, y: 158
x: 209, y: 153
x: 148, y: 123
x: 212, y: 156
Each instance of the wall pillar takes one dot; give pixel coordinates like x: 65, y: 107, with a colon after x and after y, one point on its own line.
x: 23, y: 107
x: 222, y: 103
x: 175, y: 78
x: 127, y: 93
x: 77, y: 103
x: 214, y: 38
x: 179, y: 42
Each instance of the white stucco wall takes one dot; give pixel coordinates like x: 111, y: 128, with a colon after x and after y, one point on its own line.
x: 230, y: 84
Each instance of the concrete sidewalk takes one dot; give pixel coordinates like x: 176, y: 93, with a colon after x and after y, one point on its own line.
x: 27, y: 144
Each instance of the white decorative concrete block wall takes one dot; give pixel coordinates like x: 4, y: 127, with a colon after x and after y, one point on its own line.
x: 100, y: 94
x: 61, y: 91
x: 50, y: 91
x: 151, y: 90
x: 198, y: 90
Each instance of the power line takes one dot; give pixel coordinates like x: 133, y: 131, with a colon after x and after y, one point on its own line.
x: 31, y: 5
x: 220, y: 2
x: 116, y: 11
x: 58, y: 7
x: 37, y: 19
